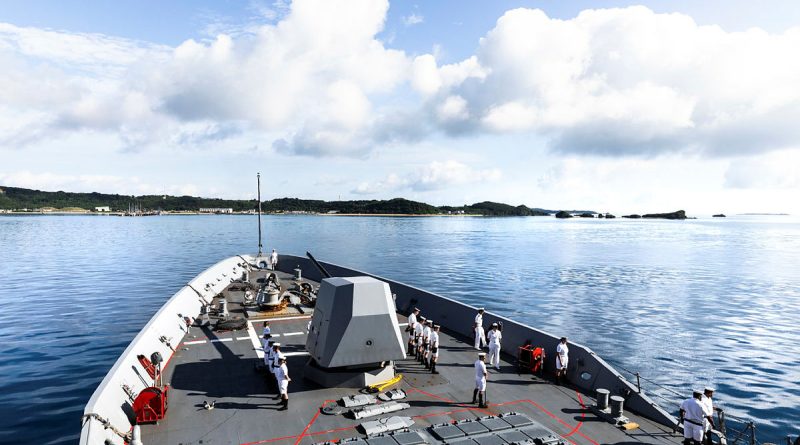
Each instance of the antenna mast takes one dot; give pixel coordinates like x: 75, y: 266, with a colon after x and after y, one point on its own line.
x: 258, y: 175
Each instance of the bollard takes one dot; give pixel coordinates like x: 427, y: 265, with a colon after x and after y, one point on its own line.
x: 602, y: 398
x: 616, y: 406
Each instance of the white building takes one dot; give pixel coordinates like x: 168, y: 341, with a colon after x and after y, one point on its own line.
x: 102, y: 209
x: 215, y: 210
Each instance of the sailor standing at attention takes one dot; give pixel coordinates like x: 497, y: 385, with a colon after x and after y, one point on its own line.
x: 418, y: 337
x: 277, y: 355
x: 495, y: 335
x: 480, y: 380
x: 693, y: 414
x: 273, y: 260
x: 426, y: 336
x: 480, y: 336
x: 266, y: 346
x: 708, y: 404
x: 434, y: 341
x: 411, y: 329
x: 562, y: 359
x: 267, y: 332
x: 282, y: 375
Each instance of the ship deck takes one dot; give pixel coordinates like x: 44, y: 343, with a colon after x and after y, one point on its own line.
x: 221, y: 367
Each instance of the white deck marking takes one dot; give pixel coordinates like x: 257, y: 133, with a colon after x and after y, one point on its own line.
x: 292, y: 354
x: 292, y: 333
x: 218, y: 340
x: 243, y: 338
x: 251, y: 331
x: 402, y: 324
x: 196, y: 342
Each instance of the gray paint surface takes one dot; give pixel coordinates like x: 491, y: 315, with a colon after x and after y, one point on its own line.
x: 354, y: 323
x: 458, y: 317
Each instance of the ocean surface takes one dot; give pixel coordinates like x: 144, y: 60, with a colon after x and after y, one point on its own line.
x: 685, y: 303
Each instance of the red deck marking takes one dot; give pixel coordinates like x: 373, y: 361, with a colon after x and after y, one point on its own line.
x: 431, y: 395
x: 313, y: 419
x: 331, y: 431
x: 583, y: 415
x: 274, y: 439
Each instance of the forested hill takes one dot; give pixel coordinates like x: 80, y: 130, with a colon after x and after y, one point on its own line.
x: 12, y: 198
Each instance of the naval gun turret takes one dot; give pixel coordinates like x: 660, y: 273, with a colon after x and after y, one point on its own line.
x: 354, y: 336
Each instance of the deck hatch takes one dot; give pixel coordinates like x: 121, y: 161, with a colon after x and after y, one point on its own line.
x: 409, y: 438
x: 513, y: 436
x: 495, y: 424
x: 540, y: 435
x: 490, y: 439
x: 472, y: 427
x: 446, y: 432
x: 518, y: 420
x: 381, y: 441
x: 461, y: 442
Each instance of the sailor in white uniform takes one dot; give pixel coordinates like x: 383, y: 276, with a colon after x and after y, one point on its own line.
x: 480, y: 380
x: 267, y: 332
x: 562, y: 359
x: 273, y: 260
x: 418, y: 328
x: 480, y: 336
x: 494, y: 336
x: 266, y: 346
x: 411, y: 329
x: 708, y: 404
x: 277, y: 355
x: 434, y: 341
x: 282, y: 375
x: 426, y: 336
x: 693, y: 414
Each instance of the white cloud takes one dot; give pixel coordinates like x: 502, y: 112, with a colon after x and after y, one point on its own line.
x: 437, y: 175
x: 315, y: 80
x: 413, y: 19
x: 129, y: 185
x: 632, y: 82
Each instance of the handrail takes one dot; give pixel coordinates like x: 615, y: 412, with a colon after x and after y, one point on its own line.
x: 750, y: 425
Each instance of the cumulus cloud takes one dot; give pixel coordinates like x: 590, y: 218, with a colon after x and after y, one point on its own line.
x: 132, y: 185
x: 314, y: 79
x: 437, y: 175
x: 310, y: 76
x: 628, y: 82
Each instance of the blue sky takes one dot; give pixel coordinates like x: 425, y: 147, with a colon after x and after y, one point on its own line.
x: 616, y: 106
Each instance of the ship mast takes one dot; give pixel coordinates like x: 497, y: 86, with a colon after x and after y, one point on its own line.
x: 258, y: 176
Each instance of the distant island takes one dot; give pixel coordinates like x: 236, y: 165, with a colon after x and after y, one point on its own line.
x: 27, y: 200
x: 21, y: 200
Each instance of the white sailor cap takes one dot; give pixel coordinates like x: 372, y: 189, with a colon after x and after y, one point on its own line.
x: 430, y: 321
x: 696, y: 392
x: 276, y: 344
x: 422, y: 318
x: 416, y: 309
x: 494, y: 324
x: 481, y: 309
x: 481, y: 354
x: 708, y: 389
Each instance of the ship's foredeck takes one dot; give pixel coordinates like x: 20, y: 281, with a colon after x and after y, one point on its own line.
x: 221, y: 367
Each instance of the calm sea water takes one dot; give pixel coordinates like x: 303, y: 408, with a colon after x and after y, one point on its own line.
x: 686, y: 303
